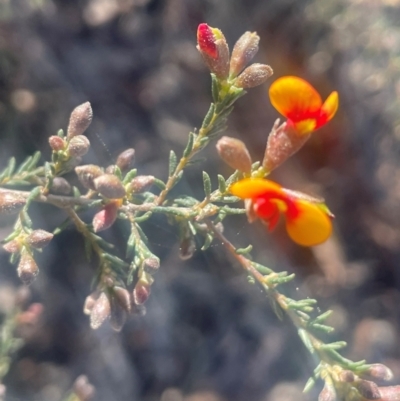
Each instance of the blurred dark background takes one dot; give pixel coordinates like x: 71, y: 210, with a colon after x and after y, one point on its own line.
x: 208, y: 335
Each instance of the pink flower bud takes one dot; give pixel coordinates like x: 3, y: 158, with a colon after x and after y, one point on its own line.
x: 78, y: 146
x: 56, y: 143
x: 368, y: 389
x: 39, y: 238
x: 234, y: 153
x: 328, y: 393
x: 212, y: 45
x: 27, y: 268
x: 100, y: 311
x: 254, y: 75
x: 379, y: 371
x: 243, y: 52
x: 60, y: 186
x: 12, y: 246
x: 109, y: 186
x: 151, y: 265
x: 105, y: 218
x: 126, y: 159
x: 123, y: 298
x: 80, y: 119
x: 141, y: 183
x: 283, y: 142
x: 141, y: 293
x: 11, y: 203
x: 83, y: 389
x: 89, y: 302
x: 87, y: 173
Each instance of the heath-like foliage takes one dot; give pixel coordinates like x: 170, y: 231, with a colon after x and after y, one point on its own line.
x: 119, y: 193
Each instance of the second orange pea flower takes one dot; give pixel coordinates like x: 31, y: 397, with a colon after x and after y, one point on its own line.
x: 307, y: 220
x: 301, y: 104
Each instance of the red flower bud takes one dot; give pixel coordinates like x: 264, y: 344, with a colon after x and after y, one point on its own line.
x: 105, y: 218
x: 56, y: 143
x: 206, y: 41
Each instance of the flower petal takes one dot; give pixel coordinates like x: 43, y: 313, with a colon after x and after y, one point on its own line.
x: 251, y: 188
x: 311, y: 227
x: 295, y: 98
x: 330, y: 105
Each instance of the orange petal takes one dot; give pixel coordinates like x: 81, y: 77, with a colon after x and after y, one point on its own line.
x: 294, y: 98
x: 250, y: 188
x: 311, y: 227
x: 331, y: 105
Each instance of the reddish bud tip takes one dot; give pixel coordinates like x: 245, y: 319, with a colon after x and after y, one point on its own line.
x: 105, y: 218
x: 206, y: 40
x: 56, y: 143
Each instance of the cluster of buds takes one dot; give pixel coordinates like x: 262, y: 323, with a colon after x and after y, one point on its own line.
x: 23, y: 246
x: 344, y: 384
x: 116, y: 303
x: 214, y: 49
x: 68, y: 150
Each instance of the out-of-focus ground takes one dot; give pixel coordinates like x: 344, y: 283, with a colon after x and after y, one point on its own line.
x: 208, y: 335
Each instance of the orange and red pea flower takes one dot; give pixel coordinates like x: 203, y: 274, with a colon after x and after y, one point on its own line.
x: 307, y: 223
x: 301, y: 104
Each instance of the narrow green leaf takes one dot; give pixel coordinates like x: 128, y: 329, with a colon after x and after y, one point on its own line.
x: 323, y: 316
x: 214, y: 88
x: 88, y: 249
x: 189, y: 146
x: 158, y: 183
x: 322, y: 327
x: 192, y: 228
x: 207, y: 242
x: 207, y: 184
x: 261, y: 268
x: 333, y: 346
x: 24, y: 165
x: 221, y: 184
x: 244, y: 251
x: 11, y: 236
x: 131, y: 246
x: 233, y: 210
x: 25, y: 219
x: 309, y: 385
x: 172, y: 163
x: 76, y: 192
x: 116, y: 261
x: 143, y: 217
x: 35, y: 160
x: 14, y: 258
x: 11, y: 166
x: 129, y: 176
x: 306, y: 340
x: 209, y: 116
